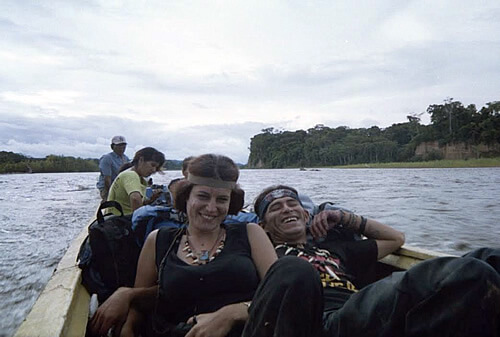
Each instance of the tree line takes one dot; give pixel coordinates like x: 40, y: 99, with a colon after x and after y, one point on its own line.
x: 451, y: 122
x: 17, y: 163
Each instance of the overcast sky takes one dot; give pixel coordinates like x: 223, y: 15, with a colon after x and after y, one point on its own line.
x: 190, y: 77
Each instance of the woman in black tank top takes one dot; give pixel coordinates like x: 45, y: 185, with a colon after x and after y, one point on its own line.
x: 201, y: 279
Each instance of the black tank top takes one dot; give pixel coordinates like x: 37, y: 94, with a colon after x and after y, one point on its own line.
x: 186, y: 290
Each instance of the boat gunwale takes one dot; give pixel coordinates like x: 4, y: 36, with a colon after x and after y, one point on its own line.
x: 62, y: 307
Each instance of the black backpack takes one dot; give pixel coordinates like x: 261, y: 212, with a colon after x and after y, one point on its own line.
x: 108, y: 256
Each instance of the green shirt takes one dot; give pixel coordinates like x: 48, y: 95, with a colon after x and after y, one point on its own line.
x: 127, y: 182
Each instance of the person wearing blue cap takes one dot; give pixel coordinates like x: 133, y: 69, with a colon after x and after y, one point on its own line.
x: 109, y: 165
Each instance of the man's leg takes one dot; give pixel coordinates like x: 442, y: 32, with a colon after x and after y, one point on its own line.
x: 288, y: 302
x: 489, y: 255
x: 438, y: 297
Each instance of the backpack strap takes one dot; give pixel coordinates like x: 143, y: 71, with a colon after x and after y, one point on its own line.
x: 107, y: 204
x: 173, y: 236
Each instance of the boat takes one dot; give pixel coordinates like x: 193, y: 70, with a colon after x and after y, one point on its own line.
x: 62, y: 308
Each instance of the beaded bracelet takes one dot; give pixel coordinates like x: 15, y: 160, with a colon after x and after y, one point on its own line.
x: 352, y: 219
x: 362, y: 226
x: 341, y: 221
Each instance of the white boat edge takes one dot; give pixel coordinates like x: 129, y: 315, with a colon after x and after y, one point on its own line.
x: 63, y: 306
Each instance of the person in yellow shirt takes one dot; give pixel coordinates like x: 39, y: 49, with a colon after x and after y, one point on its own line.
x: 129, y: 187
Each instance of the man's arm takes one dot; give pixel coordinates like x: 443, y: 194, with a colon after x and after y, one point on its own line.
x: 387, y: 238
x: 105, y: 168
x: 107, y: 183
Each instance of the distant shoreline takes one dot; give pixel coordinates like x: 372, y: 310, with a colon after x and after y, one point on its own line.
x: 444, y: 163
x: 461, y: 163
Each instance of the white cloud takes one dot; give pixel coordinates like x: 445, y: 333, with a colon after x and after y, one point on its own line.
x: 405, y: 28
x: 42, y: 98
x: 175, y: 74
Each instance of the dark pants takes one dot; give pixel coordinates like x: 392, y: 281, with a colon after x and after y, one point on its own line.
x: 446, y: 296
x: 288, y: 302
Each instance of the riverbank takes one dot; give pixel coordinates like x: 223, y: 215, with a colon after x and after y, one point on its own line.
x: 481, y: 162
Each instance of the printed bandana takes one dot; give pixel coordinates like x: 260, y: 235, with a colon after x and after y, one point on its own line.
x: 273, y: 195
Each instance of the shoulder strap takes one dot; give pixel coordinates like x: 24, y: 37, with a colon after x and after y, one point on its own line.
x: 172, y: 236
x: 107, y: 204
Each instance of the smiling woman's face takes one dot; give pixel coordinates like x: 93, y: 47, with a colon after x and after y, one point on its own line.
x: 207, y: 207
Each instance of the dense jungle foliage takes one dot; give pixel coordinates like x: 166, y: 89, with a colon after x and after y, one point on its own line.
x: 17, y: 163
x: 451, y: 122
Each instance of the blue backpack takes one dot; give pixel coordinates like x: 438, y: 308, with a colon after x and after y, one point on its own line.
x: 150, y: 217
x: 242, y: 218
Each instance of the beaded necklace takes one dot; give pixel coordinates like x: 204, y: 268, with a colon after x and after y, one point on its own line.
x: 204, y: 257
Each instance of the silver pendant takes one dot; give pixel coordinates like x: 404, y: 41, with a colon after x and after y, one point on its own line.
x: 204, y: 257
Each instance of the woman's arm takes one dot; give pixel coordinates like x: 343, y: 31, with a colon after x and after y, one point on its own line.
x: 263, y: 253
x: 114, y: 311
x: 136, y: 200
x: 145, y: 288
x: 387, y: 238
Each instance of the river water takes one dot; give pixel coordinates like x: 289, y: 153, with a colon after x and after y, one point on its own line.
x: 447, y: 210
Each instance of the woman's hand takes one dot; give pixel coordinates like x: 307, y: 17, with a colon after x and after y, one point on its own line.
x: 112, y: 313
x: 127, y: 330
x: 218, y: 323
x: 323, y: 222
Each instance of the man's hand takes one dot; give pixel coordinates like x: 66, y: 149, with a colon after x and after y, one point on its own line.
x: 218, y: 323
x: 112, y: 313
x: 323, y: 222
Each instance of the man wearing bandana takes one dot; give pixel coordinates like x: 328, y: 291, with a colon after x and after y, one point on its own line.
x: 447, y: 296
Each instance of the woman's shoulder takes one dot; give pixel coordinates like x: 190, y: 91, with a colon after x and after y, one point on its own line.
x: 243, y: 230
x: 167, y: 233
x: 128, y: 175
x: 165, y: 238
x: 129, y: 172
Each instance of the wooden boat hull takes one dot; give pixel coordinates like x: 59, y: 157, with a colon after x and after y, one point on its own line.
x: 63, y: 306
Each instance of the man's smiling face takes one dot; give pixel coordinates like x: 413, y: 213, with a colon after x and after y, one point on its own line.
x: 285, y: 221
